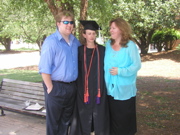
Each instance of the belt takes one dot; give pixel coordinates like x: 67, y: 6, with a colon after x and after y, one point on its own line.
x: 64, y: 82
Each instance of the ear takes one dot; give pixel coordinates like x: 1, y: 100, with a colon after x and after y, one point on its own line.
x: 84, y: 35
x: 57, y: 24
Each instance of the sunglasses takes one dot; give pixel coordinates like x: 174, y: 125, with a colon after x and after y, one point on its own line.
x: 67, y: 22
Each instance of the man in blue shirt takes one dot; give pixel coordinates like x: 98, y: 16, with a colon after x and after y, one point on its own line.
x: 59, y: 69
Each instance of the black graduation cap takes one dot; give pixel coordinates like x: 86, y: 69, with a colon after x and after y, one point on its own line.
x: 90, y: 25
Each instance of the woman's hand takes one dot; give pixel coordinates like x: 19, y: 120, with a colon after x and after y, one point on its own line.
x: 114, y: 71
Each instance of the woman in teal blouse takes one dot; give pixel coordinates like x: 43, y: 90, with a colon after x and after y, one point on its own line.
x: 121, y: 64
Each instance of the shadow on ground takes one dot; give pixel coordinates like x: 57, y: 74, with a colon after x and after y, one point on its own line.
x: 158, y: 101
x: 172, y: 55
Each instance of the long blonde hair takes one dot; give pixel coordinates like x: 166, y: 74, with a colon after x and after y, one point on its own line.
x: 125, y: 29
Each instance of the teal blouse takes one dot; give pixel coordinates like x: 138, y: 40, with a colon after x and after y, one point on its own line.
x: 127, y: 59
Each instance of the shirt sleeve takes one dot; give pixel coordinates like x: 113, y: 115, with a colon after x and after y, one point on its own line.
x: 47, y: 57
x: 135, y: 61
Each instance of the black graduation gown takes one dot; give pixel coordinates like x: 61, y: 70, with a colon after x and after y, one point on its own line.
x: 92, y: 116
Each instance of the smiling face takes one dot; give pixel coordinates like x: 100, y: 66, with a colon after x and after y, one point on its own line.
x: 64, y: 28
x: 90, y: 36
x: 114, y: 31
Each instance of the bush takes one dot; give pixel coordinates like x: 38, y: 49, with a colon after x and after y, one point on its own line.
x: 178, y: 47
x: 165, y: 39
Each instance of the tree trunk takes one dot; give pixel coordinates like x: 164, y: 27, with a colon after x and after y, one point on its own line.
x: 40, y: 42
x: 144, y: 48
x: 59, y: 5
x: 159, y: 48
x: 143, y: 43
x: 83, y: 16
x: 51, y: 5
x: 6, y: 41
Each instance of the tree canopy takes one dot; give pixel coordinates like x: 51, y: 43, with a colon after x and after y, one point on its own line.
x: 32, y: 20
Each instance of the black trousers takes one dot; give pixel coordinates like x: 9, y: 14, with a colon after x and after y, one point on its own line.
x: 59, y: 107
x: 122, y: 116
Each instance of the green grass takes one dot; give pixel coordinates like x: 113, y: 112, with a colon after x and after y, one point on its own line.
x: 24, y: 75
x: 155, y: 125
x: 161, y: 99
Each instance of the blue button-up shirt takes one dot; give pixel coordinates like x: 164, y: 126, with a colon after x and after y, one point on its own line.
x: 59, y: 59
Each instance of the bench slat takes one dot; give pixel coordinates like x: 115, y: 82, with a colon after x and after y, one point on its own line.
x: 39, y: 87
x: 18, y: 106
x: 29, y: 91
x: 21, y: 99
x: 22, y: 82
x: 23, y: 95
x: 14, y: 93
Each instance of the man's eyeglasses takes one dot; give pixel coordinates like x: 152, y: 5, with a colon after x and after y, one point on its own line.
x: 67, y: 22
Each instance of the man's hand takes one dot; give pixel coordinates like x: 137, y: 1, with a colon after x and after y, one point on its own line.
x: 49, y: 89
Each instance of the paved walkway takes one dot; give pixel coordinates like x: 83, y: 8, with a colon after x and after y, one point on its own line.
x: 19, y: 124
x: 8, y: 61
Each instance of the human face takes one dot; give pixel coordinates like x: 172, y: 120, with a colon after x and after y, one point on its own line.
x: 64, y: 28
x: 115, y: 31
x: 90, y: 36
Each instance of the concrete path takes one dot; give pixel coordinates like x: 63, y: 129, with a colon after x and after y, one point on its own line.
x: 19, y: 124
x: 8, y: 61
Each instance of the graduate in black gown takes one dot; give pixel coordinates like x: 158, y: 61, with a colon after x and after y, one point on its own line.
x: 91, y: 113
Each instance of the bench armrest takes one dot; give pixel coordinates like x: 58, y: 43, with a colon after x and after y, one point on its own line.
x: 1, y: 85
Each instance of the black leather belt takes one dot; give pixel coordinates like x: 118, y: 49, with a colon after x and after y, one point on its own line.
x: 64, y: 82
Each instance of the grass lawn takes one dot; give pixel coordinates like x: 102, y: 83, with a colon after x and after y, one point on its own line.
x: 21, y: 74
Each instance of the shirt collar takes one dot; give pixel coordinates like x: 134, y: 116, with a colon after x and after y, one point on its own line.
x: 71, y: 37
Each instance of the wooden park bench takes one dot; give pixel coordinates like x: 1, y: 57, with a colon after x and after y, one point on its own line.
x: 14, y: 94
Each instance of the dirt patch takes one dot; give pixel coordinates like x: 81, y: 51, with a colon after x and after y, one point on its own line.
x: 158, y: 83
x: 173, y: 55
x: 34, y: 68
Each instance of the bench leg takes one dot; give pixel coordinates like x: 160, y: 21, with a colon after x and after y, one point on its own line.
x: 2, y: 111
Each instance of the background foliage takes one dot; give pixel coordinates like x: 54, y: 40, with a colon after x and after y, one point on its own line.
x: 32, y: 20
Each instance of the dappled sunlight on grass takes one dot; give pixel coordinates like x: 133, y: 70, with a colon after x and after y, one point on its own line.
x: 25, y: 75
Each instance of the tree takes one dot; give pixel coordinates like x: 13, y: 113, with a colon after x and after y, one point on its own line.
x: 34, y: 18
x: 147, y: 16
x: 27, y: 20
x: 35, y: 25
x: 88, y: 10
x: 6, y: 25
x: 164, y: 39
